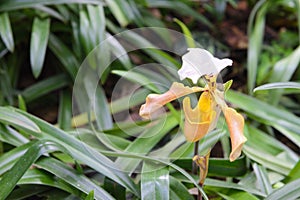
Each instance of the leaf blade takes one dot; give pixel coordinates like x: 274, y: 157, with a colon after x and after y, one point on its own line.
x: 289, y: 191
x: 278, y: 85
x: 6, y: 32
x: 154, y: 181
x: 38, y: 44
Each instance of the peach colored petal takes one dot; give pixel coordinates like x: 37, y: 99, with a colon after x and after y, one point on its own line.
x: 156, y: 101
x: 202, y: 162
x: 198, y: 120
x: 235, y: 122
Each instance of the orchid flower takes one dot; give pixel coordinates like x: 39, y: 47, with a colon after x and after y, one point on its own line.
x: 202, y: 119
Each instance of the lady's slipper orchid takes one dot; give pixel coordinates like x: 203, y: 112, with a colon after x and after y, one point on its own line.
x: 201, y: 119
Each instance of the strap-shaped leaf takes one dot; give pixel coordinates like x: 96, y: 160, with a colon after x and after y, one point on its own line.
x: 268, y: 114
x: 155, y: 181
x: 72, y: 177
x: 81, y: 152
x: 289, y: 191
x: 38, y: 44
x: 8, y: 116
x: 6, y: 32
x: 6, y: 5
x: 10, y: 179
x: 278, y: 85
x: 44, y: 87
x: 262, y: 179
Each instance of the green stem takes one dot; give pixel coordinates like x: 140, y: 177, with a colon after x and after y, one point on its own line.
x: 195, y: 166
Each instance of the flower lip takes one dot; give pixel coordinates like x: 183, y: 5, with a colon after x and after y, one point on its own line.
x: 198, y: 62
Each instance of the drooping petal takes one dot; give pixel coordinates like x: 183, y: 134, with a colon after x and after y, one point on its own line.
x: 202, y: 162
x: 235, y: 122
x: 198, y: 121
x: 198, y: 62
x: 156, y: 101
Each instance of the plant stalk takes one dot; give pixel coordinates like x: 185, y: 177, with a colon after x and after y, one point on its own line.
x: 195, y: 166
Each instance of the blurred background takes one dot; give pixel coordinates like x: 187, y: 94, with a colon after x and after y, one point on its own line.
x: 43, y: 45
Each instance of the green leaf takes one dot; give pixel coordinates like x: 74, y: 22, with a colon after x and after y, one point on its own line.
x: 267, y: 113
x: 27, y: 191
x: 262, y: 179
x: 256, y: 27
x: 148, y: 158
x: 6, y: 87
x: 38, y: 44
x: 188, y: 35
x: 40, y: 177
x: 114, y: 189
x: 64, y: 54
x: 137, y: 78
x: 6, y: 32
x: 97, y: 22
x: 268, y: 160
x: 6, y: 5
x: 227, y: 85
x: 9, y: 116
x: 223, y: 184
x: 11, y: 136
x: 10, y: 158
x: 180, y: 7
x: 10, y: 179
x: 119, y: 14
x: 268, y: 151
x: 298, y: 17
x: 119, y: 51
x: 285, y: 68
x: 90, y: 196
x: 223, y: 167
x: 145, y: 142
x: 44, y: 87
x: 51, y: 12
x: 143, y: 42
x: 65, y: 110
x: 82, y: 153
x: 154, y: 181
x: 186, y: 150
x: 59, y: 169
x: 87, y: 35
x: 130, y: 101
x: 234, y: 194
x: 278, y: 85
x: 178, y: 191
x: 219, y: 167
x: 283, y: 71
x: 72, y: 177
x: 269, y: 145
x: 288, y: 191
x: 21, y: 102
x: 98, y: 103
x: 294, y: 173
x: 292, y: 135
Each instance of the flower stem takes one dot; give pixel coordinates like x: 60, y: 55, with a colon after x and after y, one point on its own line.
x: 195, y: 166
x: 202, y: 163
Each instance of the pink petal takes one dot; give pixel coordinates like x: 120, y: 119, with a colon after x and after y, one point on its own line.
x: 156, y: 101
x: 235, y: 122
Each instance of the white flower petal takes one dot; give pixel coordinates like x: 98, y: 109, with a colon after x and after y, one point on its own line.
x: 198, y: 62
x: 222, y: 63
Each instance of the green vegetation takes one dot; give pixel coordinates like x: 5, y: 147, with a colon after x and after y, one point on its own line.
x: 56, y: 143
